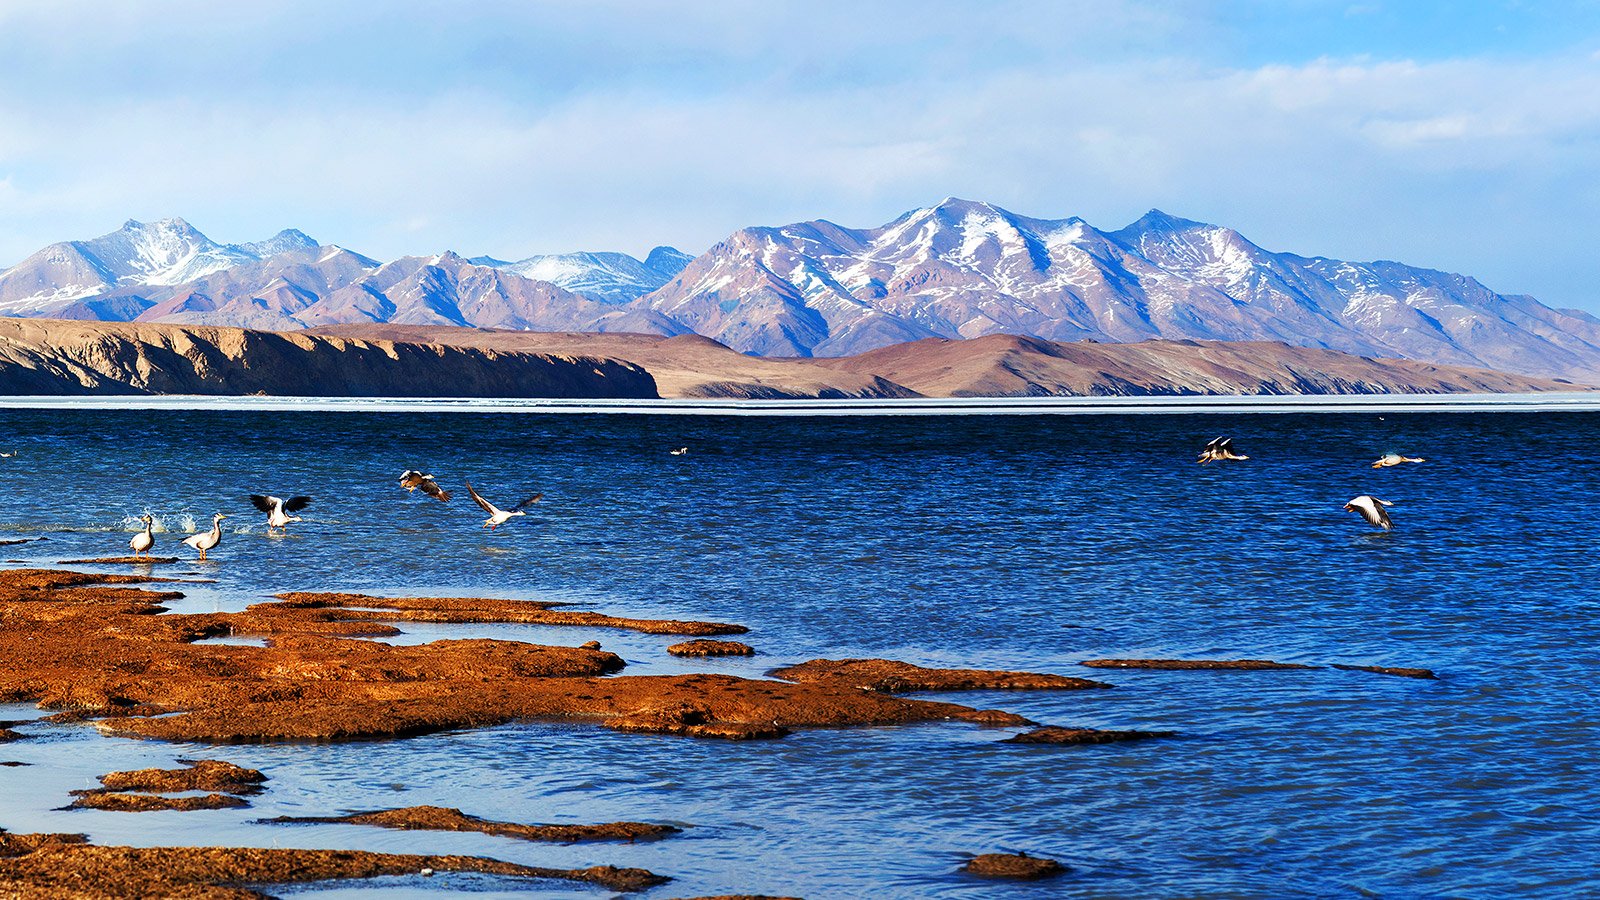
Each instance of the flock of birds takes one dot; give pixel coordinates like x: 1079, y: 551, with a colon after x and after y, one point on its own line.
x: 279, y: 513
x: 1371, y: 508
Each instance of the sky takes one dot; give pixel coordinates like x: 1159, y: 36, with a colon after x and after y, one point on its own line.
x: 1456, y: 135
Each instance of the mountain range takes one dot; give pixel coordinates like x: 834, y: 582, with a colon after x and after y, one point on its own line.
x: 958, y: 269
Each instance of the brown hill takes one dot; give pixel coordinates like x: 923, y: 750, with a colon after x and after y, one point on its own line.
x: 43, y: 356
x: 993, y: 366
x: 683, y: 366
x: 55, y: 357
x: 1003, y: 365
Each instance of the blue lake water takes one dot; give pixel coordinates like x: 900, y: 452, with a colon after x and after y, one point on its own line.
x: 1023, y: 542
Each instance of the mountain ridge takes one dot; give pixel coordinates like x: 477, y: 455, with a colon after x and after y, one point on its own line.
x: 957, y: 269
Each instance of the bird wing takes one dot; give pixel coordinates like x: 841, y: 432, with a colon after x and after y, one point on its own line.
x: 296, y: 504
x: 432, y: 489
x: 1381, y: 516
x: 528, y: 502
x: 264, y: 502
x: 1370, y: 510
x: 1214, y: 443
x: 477, y: 498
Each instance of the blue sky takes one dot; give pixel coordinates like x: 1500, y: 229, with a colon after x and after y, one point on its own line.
x: 1463, y: 136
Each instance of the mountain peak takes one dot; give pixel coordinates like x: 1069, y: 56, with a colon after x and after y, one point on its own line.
x: 1157, y: 221
x: 283, y: 242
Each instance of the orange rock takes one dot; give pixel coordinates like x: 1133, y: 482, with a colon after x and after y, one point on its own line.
x: 64, y: 865
x: 711, y: 648
x: 439, y: 818
x: 79, y: 643
x: 1019, y: 866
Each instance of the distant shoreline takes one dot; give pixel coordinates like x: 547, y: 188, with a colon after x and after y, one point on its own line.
x: 1187, y: 405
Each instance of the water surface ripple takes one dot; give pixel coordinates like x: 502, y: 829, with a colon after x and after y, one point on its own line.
x: 1028, y: 542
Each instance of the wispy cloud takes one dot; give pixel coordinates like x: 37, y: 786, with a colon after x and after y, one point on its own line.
x: 528, y: 128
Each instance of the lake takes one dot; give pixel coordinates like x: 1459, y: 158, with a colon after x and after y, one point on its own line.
x: 1012, y: 541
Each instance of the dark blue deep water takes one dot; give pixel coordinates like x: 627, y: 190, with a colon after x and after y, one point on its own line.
x: 1023, y: 542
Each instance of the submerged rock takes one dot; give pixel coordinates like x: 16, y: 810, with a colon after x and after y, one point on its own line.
x: 120, y: 560
x: 890, y: 677
x: 1192, y: 664
x: 1398, y: 671
x: 1017, y: 866
x: 439, y: 818
x: 1052, y: 734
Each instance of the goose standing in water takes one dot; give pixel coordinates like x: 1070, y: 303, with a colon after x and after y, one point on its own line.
x: 144, y: 540
x: 1372, y: 509
x: 205, y: 540
x: 1394, y: 459
x: 411, y: 479
x: 498, y: 516
x: 278, y: 509
x: 1219, y: 448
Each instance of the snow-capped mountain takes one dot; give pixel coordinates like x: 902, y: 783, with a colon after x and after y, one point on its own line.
x: 611, y: 277
x: 167, y: 252
x: 966, y: 269
x: 959, y: 269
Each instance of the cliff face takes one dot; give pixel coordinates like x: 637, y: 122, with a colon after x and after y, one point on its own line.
x: 52, y: 357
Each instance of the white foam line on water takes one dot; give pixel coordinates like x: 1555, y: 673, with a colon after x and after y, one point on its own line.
x: 1374, y: 403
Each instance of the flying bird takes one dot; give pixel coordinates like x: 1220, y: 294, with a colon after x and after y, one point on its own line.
x: 1394, y: 459
x: 144, y: 540
x: 498, y: 516
x: 8, y: 455
x: 205, y: 540
x: 1372, y: 509
x: 278, y: 509
x: 1219, y: 448
x: 681, y: 451
x: 411, y: 479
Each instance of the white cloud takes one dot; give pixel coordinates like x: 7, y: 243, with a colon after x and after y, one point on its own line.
x: 1353, y: 157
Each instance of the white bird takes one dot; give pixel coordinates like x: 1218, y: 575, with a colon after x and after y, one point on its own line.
x: 681, y: 451
x: 278, y: 509
x: 8, y: 455
x: 1219, y: 448
x: 1394, y: 459
x: 411, y: 479
x: 498, y: 516
x: 205, y: 540
x: 144, y: 540
x: 1372, y: 509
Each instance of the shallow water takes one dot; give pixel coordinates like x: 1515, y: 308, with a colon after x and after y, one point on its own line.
x: 1028, y: 542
